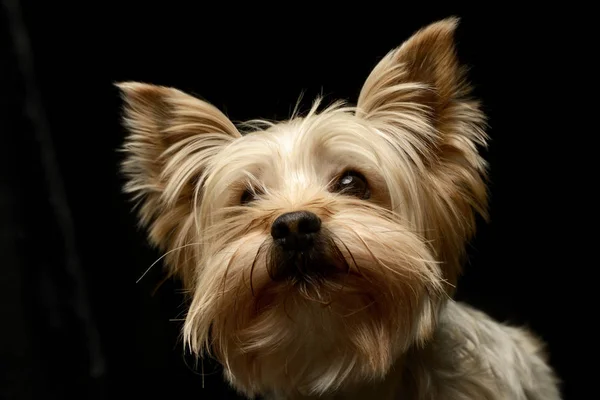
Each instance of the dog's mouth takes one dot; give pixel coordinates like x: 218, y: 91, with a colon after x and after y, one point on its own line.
x: 322, y: 260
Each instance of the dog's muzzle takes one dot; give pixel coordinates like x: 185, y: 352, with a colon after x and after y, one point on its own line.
x: 300, y: 249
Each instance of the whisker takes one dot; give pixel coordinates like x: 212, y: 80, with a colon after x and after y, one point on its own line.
x: 340, y: 256
x: 285, y: 300
x: 264, y: 246
x: 335, y: 237
x: 163, y: 256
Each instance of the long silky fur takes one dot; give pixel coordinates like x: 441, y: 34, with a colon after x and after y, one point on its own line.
x: 378, y: 319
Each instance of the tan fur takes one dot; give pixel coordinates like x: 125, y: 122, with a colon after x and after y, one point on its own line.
x: 383, y: 323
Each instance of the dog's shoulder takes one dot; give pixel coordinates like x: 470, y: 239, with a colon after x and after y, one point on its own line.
x: 476, y: 356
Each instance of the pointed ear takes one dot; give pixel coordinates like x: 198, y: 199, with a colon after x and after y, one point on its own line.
x: 424, y: 71
x: 418, y: 96
x: 172, y: 138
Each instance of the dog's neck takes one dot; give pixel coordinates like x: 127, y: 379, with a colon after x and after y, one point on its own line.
x: 390, y: 388
x: 449, y: 360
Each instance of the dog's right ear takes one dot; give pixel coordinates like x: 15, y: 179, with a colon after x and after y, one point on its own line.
x: 172, y: 137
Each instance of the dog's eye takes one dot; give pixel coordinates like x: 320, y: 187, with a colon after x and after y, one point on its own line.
x: 247, y: 197
x: 353, y: 183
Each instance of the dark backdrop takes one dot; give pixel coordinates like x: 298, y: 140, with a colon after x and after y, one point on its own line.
x: 77, y: 325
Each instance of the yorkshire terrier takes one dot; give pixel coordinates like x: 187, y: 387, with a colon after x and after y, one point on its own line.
x: 321, y: 253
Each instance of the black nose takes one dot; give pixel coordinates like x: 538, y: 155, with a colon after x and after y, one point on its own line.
x: 294, y: 231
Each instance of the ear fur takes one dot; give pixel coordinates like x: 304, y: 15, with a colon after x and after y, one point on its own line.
x: 167, y: 130
x: 418, y: 95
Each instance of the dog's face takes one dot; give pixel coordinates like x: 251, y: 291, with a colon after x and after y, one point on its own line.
x: 319, y: 249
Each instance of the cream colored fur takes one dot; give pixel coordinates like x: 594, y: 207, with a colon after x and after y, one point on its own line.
x: 383, y: 323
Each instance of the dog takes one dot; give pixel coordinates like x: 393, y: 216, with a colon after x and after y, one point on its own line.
x: 321, y: 253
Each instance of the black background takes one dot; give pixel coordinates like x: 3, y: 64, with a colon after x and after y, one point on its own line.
x: 78, y: 326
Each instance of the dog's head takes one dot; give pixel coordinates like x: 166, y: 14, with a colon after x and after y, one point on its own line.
x: 318, y: 249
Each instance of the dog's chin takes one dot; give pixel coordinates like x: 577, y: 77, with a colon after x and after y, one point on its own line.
x: 304, y: 336
x: 314, y: 334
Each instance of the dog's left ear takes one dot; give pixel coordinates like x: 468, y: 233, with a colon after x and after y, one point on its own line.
x: 418, y: 96
x: 172, y: 139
